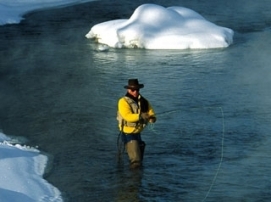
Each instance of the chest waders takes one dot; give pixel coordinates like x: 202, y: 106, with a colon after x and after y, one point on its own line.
x: 135, y: 147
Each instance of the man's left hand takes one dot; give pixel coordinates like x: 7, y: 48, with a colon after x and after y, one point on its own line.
x: 152, y: 119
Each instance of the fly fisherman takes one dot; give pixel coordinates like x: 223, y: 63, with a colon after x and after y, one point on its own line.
x: 134, y: 113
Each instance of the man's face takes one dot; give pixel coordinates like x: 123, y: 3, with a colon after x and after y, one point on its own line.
x: 134, y: 92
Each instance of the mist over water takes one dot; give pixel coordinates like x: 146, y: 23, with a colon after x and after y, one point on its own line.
x: 211, y: 141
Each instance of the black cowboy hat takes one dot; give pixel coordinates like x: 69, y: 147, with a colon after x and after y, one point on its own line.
x: 133, y: 84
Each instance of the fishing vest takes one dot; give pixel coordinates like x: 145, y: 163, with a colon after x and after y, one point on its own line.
x: 135, y: 107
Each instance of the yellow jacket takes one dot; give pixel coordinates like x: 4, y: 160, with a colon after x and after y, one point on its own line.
x: 129, y: 115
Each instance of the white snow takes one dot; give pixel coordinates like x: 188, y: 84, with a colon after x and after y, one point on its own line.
x: 21, y: 169
x: 11, y: 11
x: 155, y: 27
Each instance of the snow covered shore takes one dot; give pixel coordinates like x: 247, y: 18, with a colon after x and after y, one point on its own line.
x: 11, y: 11
x: 22, y: 168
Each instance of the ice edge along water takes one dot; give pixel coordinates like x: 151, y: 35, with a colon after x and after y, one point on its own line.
x: 11, y: 12
x: 22, y: 169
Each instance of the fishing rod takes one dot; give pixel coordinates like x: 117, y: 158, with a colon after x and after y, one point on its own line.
x: 151, y: 128
x: 185, y: 109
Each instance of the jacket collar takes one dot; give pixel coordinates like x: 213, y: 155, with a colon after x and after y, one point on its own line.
x: 132, y: 97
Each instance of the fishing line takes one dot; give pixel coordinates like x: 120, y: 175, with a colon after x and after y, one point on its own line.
x: 151, y: 128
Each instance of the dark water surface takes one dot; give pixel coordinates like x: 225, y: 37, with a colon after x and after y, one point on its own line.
x: 212, y: 138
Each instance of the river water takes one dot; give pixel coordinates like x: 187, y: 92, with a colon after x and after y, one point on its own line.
x: 212, y: 138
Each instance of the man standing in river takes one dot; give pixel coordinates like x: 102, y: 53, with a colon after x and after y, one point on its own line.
x: 134, y: 113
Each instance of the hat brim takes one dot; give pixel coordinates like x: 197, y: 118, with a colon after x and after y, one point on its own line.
x: 135, y: 87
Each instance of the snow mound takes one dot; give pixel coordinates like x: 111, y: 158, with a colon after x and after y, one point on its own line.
x: 155, y: 27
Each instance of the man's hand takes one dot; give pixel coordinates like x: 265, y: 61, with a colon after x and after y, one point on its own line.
x: 145, y: 116
x: 152, y: 119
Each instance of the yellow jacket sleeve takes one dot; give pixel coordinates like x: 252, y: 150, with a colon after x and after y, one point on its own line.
x: 151, y: 111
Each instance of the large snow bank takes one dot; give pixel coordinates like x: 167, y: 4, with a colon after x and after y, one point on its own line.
x: 21, y: 169
x: 155, y: 27
x: 11, y: 11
